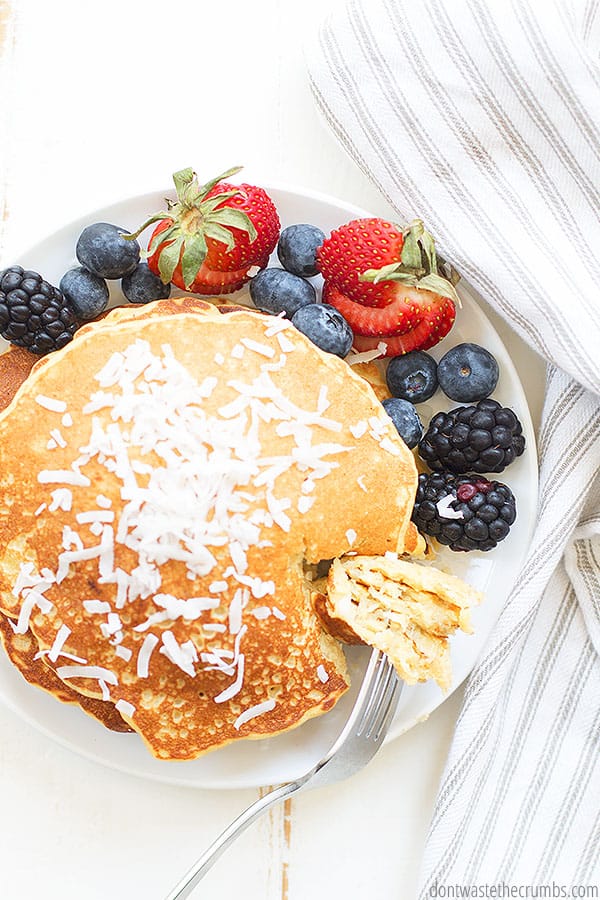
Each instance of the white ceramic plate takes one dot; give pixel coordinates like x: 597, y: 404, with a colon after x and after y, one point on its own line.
x: 274, y: 760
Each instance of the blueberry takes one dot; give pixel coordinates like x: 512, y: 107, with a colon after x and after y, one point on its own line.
x: 297, y: 249
x: 406, y: 419
x: 325, y: 327
x: 86, y: 292
x: 102, y: 249
x: 277, y: 291
x: 412, y: 376
x: 468, y: 373
x: 142, y: 285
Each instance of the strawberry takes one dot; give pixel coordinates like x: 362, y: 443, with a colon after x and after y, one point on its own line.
x: 385, y: 281
x: 372, y: 262
x: 207, y: 280
x: 212, y: 235
x: 378, y: 320
x: 436, y: 321
x: 372, y: 326
x: 353, y: 249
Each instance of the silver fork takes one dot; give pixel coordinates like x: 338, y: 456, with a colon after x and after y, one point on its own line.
x: 358, y: 742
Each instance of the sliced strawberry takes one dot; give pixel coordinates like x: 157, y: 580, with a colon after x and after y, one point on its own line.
x: 367, y: 259
x: 435, y: 324
x: 209, y: 281
x: 354, y: 248
x: 400, y: 315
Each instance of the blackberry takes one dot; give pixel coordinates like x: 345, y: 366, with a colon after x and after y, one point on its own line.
x: 476, y: 516
x: 33, y: 313
x: 484, y: 437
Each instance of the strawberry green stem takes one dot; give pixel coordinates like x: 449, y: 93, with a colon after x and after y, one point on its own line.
x: 193, y: 218
x: 417, y: 266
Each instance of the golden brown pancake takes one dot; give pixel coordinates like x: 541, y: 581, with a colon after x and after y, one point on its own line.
x: 163, y: 480
x: 16, y: 362
x: 22, y: 650
x: 15, y: 365
x: 407, y: 609
x: 372, y: 373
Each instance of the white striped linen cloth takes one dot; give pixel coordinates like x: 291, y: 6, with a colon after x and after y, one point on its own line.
x: 481, y: 117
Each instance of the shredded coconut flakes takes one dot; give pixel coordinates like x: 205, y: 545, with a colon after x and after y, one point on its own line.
x: 192, y: 496
x: 322, y: 674
x: 51, y: 403
x: 445, y: 509
x: 252, y: 712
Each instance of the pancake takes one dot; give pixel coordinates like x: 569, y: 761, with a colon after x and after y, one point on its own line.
x: 371, y: 372
x: 22, y: 650
x: 407, y: 609
x: 164, y: 480
x: 15, y: 365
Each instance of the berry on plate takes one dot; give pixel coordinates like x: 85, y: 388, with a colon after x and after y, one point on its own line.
x: 412, y: 376
x: 143, y: 286
x: 371, y: 321
x: 386, y: 282
x: 103, y: 249
x: 213, y: 234
x: 86, y: 292
x: 371, y: 261
x: 357, y: 247
x: 297, y: 249
x: 485, y: 437
x: 33, y: 313
x: 437, y: 318
x: 325, y: 327
x: 276, y: 291
x: 465, y: 512
x: 468, y: 373
x: 405, y: 418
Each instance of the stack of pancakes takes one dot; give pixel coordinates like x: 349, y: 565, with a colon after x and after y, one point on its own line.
x: 165, y: 481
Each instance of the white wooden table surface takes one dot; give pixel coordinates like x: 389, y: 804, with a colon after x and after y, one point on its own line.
x: 102, y: 101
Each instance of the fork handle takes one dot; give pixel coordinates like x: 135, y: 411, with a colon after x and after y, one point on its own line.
x: 189, y: 881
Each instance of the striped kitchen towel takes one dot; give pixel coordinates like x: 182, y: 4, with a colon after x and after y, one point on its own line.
x: 481, y: 117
